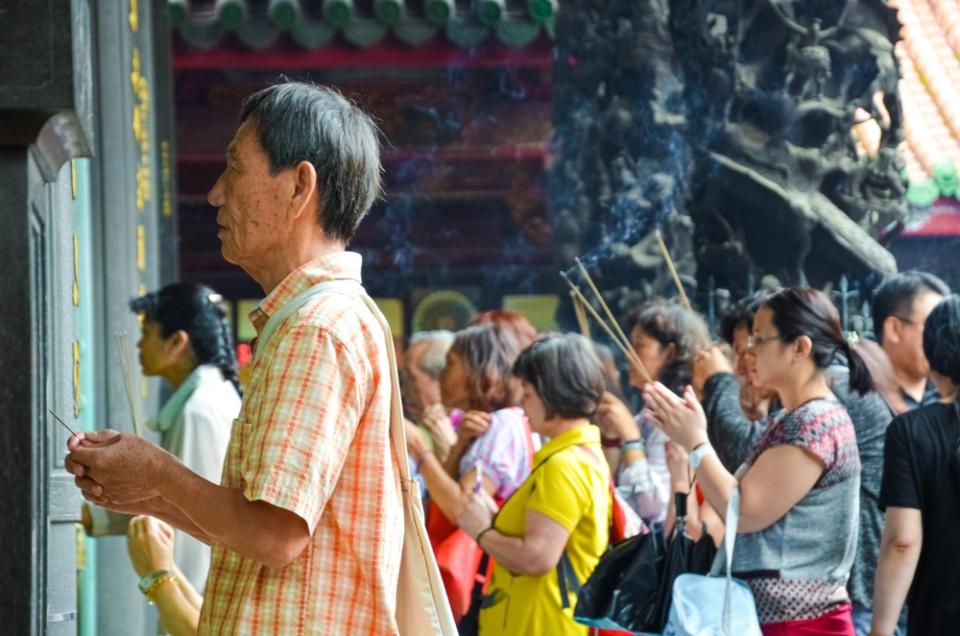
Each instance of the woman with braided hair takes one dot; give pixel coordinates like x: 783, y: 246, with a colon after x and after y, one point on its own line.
x: 186, y: 339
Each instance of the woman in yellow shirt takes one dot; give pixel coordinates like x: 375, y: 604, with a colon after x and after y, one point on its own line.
x: 559, y: 518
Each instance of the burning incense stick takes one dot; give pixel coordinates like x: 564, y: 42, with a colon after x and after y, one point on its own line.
x: 630, y: 354
x: 603, y: 304
x: 581, y: 313
x: 673, y: 271
x: 124, y: 352
x: 64, y: 424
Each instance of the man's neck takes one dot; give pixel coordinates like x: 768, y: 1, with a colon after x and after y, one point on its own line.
x: 911, y: 386
x: 270, y: 274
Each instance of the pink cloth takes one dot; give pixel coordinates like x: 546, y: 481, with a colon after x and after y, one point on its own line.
x: 504, y: 450
x: 838, y: 622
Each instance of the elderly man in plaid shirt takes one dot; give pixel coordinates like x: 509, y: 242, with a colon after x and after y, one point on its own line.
x: 307, y: 522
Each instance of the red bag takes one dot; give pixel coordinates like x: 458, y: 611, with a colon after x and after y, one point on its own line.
x: 458, y: 557
x: 624, y: 522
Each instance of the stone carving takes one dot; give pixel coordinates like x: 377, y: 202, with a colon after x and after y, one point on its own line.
x: 727, y: 123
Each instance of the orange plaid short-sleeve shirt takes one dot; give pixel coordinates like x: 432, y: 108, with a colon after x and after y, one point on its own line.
x: 313, y: 437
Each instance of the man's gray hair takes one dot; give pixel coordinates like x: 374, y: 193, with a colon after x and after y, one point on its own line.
x: 435, y: 355
x: 305, y: 122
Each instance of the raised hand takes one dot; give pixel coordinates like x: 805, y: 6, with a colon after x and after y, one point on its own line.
x: 150, y: 544
x: 707, y: 363
x: 474, y: 424
x: 116, y: 469
x: 682, y: 419
x: 437, y: 422
x: 477, y: 514
x: 615, y: 419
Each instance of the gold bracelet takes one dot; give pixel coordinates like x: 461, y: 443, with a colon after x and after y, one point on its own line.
x: 156, y: 585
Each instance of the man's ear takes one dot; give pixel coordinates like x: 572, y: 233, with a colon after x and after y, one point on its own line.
x: 303, y: 196
x: 892, y: 330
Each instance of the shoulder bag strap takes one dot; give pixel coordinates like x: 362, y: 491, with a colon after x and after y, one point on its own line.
x: 345, y: 287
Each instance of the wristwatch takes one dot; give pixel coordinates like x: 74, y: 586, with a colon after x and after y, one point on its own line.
x: 698, y: 453
x: 147, y: 581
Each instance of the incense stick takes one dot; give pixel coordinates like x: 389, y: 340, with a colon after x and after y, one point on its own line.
x: 630, y: 354
x: 581, y: 316
x: 603, y: 304
x: 673, y: 271
x: 124, y: 352
x: 64, y: 424
x: 627, y: 345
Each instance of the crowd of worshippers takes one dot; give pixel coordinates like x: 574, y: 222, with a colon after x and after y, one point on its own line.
x: 845, y: 452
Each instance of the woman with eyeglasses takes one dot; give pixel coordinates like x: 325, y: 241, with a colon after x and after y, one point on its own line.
x: 800, y: 484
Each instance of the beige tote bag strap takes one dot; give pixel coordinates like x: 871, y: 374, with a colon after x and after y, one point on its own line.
x: 422, y: 605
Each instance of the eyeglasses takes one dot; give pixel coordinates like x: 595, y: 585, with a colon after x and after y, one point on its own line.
x: 755, y: 341
x: 907, y: 320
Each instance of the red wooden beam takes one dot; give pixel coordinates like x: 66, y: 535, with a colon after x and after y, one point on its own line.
x: 437, y: 54
x: 944, y: 220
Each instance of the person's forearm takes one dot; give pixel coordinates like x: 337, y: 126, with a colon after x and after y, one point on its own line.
x: 255, y: 529
x: 163, y: 510
x: 451, y: 463
x: 186, y: 589
x: 178, y: 615
x: 717, y: 484
x: 444, y: 490
x: 896, y: 566
x: 612, y: 456
x: 515, y: 554
x: 166, y: 511
x: 731, y: 432
x: 671, y: 520
x: 630, y: 456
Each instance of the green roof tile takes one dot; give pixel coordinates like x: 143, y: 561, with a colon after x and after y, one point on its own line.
x: 338, y: 12
x: 202, y: 27
x: 439, y: 11
x: 231, y: 12
x: 284, y: 12
x: 388, y: 12
x: 178, y: 11
x: 490, y: 11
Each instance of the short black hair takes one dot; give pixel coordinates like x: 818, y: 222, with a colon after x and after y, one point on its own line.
x: 741, y: 313
x: 566, y: 373
x: 894, y: 296
x: 305, y: 122
x: 941, y: 338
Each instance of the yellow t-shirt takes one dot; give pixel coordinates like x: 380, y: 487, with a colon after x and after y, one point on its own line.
x: 571, y: 486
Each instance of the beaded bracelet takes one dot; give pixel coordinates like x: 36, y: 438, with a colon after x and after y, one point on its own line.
x: 633, y: 444
x: 156, y: 585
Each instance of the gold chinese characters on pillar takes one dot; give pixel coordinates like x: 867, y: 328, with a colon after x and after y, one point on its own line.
x: 165, y: 179
x: 141, y: 128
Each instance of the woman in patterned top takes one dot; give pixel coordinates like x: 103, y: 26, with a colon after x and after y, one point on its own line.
x: 493, y: 451
x: 800, y: 483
